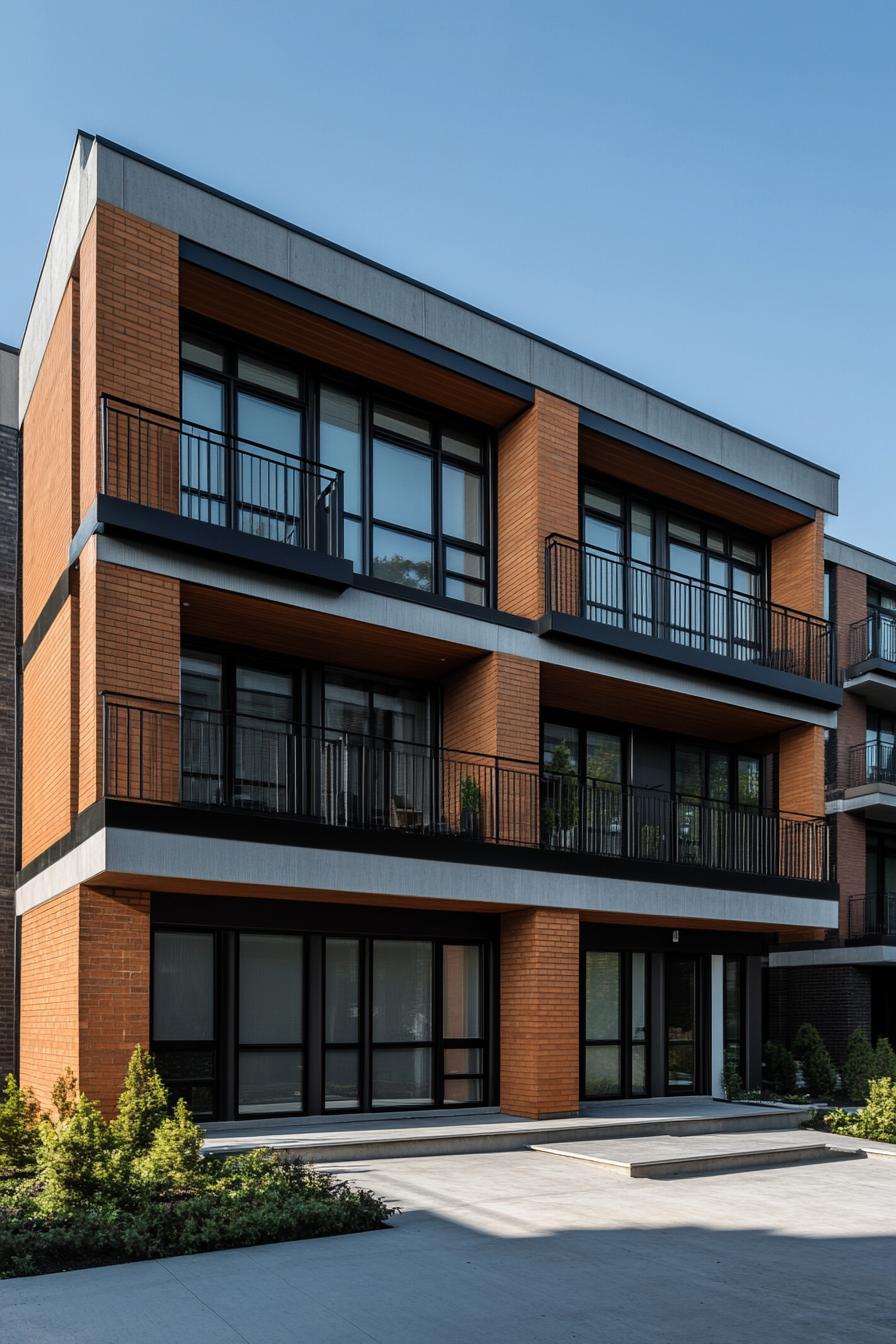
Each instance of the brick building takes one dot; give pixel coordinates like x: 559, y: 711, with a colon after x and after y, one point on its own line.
x: 414, y: 714
x: 9, y: 537
x: 849, y: 981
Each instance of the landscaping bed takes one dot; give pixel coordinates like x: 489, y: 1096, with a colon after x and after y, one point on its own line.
x: 76, y: 1191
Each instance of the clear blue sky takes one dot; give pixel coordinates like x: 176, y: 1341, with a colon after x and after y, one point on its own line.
x: 701, y: 195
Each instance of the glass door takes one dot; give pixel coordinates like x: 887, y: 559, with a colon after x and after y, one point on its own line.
x: 682, y: 1025
x: 401, y: 1023
x: 615, y: 1017
x: 268, y: 475
x: 342, y: 1024
x: 270, y: 1017
x: 263, y: 739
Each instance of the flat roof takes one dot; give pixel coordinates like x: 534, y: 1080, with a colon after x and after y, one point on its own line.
x: 102, y: 170
x: 844, y: 553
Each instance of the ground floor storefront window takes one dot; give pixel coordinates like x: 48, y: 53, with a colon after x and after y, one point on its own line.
x: 280, y: 1022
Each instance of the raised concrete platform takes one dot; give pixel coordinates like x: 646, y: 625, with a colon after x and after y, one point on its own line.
x: 697, y: 1155
x: 401, y: 1134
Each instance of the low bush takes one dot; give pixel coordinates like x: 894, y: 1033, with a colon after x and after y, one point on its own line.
x: 858, y: 1068
x: 819, y: 1075
x: 87, y: 1192
x: 732, y: 1083
x: 778, y: 1069
x: 876, y: 1120
x: 884, y: 1060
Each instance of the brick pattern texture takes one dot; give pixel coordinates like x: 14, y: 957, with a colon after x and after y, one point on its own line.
x: 84, y: 990
x: 47, y: 739
x: 835, y: 999
x: 797, y: 568
x: 540, y: 1012
x: 9, y: 472
x: 538, y: 493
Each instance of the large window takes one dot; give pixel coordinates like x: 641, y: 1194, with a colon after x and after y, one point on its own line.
x: 615, y: 1013
x: 184, y: 1017
x: 416, y: 484
x: 882, y: 623
x: 667, y: 574
x: 880, y: 748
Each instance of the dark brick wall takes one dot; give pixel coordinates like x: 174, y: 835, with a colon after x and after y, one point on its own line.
x: 835, y: 999
x: 9, y: 476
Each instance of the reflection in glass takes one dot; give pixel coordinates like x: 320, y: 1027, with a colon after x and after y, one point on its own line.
x: 202, y: 454
x: 402, y: 990
x: 462, y: 503
x: 402, y: 486
x: 270, y: 1080
x: 403, y: 559
x: 402, y: 1076
x: 602, y: 996
x: 341, y: 1016
x: 183, y: 986
x: 461, y: 980
x: 270, y: 989
x: 602, y: 1075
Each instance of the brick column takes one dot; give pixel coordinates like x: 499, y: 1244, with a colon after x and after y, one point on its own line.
x: 84, y: 990
x: 538, y: 493
x: 540, y: 1013
x: 797, y: 567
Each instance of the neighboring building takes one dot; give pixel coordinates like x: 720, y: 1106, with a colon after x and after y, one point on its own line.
x: 9, y: 534
x: 414, y: 713
x: 850, y: 981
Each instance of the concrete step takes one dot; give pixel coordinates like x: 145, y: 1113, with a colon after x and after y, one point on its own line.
x: 694, y: 1155
x: 366, y: 1138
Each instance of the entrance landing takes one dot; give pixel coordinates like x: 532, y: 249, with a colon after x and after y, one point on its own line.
x: 400, y: 1134
x: 698, y: 1155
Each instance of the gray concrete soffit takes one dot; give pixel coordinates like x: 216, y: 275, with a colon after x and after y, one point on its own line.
x: 866, y: 562
x: 108, y: 172
x: 9, y: 387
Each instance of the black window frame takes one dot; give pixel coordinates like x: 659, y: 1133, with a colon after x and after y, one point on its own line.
x: 312, y: 375
x: 624, y: 1040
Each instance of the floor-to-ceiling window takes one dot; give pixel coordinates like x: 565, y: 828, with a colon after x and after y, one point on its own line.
x: 880, y: 748
x: 416, y: 482
x: 615, y: 1011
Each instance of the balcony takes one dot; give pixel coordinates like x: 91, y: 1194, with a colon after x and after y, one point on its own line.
x: 872, y: 659
x: 870, y: 782
x: 872, y: 916
x: 312, y: 776
x: 171, y: 480
x: 602, y: 598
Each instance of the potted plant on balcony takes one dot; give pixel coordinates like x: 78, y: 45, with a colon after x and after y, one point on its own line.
x: 470, y: 808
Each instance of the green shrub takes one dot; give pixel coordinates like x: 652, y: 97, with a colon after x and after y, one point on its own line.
x: 19, y: 1116
x: 173, y: 1161
x: 64, y: 1095
x: 74, y: 1159
x: 858, y: 1068
x: 876, y: 1120
x: 819, y: 1074
x: 884, y: 1060
x: 732, y: 1083
x: 779, y: 1069
x: 142, y: 1106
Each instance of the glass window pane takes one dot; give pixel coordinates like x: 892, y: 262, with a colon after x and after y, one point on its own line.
x: 462, y: 1091
x: 741, y: 551
x: 402, y: 1076
x: 603, y: 502
x: 462, y: 504
x: 682, y: 560
x: 461, y: 444
x: 689, y: 771
x: 715, y: 541
x: 744, y: 581
x: 263, y: 695
x: 200, y: 681
x: 402, y: 422
x: 561, y: 747
x: 270, y: 988
x: 341, y: 1011
x: 202, y: 401
x: 465, y: 562
x: 340, y: 1080
x: 749, y: 775
x: 732, y: 1000
x: 459, y: 1060
x: 465, y: 590
x: 266, y: 422
x: 718, y: 572
x: 202, y: 453
x: 642, y: 534
x: 602, y: 996
x: 402, y: 486
x: 202, y: 350
x: 639, y: 996
x: 602, y: 1073
x: 352, y: 542
x: 719, y: 777
x: 681, y: 530
x: 604, y: 757
x: 399, y: 558
x: 606, y: 536
x: 183, y: 986
x: 402, y: 990
x: 270, y: 1080
x: 340, y: 441
x: 273, y: 377
x: 461, y: 980
x: 639, y: 1070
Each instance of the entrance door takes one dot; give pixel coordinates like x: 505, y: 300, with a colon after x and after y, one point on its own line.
x: 615, y: 1015
x: 682, y: 1025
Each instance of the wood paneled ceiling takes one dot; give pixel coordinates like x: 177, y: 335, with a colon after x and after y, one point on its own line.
x: 598, y: 697
x: 611, y: 457
x: 269, y: 319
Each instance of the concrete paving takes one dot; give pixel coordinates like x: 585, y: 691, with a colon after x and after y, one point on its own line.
x: 522, y: 1248
x: 694, y: 1155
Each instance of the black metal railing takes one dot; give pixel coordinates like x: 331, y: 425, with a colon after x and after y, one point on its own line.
x: 586, y: 581
x: 166, y: 753
x: 873, y: 637
x: 873, y: 915
x: 155, y: 459
x: 872, y: 762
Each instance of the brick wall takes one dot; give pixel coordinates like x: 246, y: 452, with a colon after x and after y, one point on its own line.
x: 9, y: 460
x: 49, y: 436
x: 47, y: 739
x: 492, y: 706
x: 797, y: 568
x: 801, y: 770
x: 84, y: 990
x: 835, y: 999
x: 850, y: 605
x: 540, y: 1012
x: 130, y: 322
x: 538, y: 493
